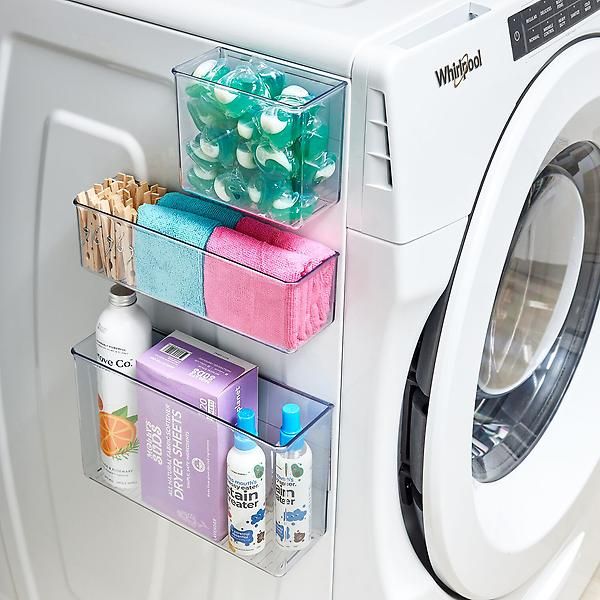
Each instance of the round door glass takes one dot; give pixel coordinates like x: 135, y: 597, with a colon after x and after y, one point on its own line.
x: 545, y: 305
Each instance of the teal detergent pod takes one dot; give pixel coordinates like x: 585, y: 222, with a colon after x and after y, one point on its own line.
x: 205, y: 113
x: 197, y: 154
x: 257, y: 192
x: 245, y: 156
x: 297, y: 96
x: 307, y: 204
x: 218, y: 144
x: 286, y: 208
x: 279, y: 126
x: 209, y: 70
x: 318, y: 169
x: 314, y: 139
x: 244, y: 79
x: 202, y: 179
x: 248, y: 125
x: 273, y: 78
x: 231, y: 187
x: 203, y: 108
x: 281, y: 162
x: 275, y: 197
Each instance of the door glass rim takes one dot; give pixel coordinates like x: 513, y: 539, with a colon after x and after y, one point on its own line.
x: 557, y: 318
x: 507, y: 427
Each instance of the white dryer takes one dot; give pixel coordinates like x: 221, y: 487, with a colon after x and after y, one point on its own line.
x: 463, y: 357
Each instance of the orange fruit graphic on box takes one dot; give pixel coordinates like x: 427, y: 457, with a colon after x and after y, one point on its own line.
x: 116, y: 433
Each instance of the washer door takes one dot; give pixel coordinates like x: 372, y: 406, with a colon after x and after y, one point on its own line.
x: 511, y: 434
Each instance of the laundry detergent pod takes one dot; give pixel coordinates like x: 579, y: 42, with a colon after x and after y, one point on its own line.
x: 231, y: 187
x: 286, y: 207
x: 275, y: 161
x: 274, y: 196
x: 317, y: 170
x: 248, y: 125
x: 308, y: 203
x: 206, y: 113
x: 195, y: 152
x: 245, y: 156
x: 202, y: 179
x: 210, y: 70
x: 314, y: 139
x: 273, y: 78
x: 295, y: 95
x: 218, y: 144
x: 279, y: 126
x: 257, y: 190
x: 244, y: 79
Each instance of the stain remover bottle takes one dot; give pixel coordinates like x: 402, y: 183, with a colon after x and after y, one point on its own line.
x: 293, y: 484
x: 246, y: 490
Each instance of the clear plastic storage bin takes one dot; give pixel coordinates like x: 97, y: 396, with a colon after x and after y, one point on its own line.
x: 280, y: 314
x: 191, y: 447
x: 262, y: 136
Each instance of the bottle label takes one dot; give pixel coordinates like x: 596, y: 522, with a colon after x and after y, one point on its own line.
x: 117, y: 408
x: 247, y: 507
x: 115, y: 357
x: 293, y: 498
x: 119, y: 445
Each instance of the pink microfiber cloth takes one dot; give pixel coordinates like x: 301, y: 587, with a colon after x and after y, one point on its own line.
x: 282, y: 297
x: 315, y: 252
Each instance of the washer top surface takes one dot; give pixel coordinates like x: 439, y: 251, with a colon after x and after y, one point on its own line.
x: 325, y: 34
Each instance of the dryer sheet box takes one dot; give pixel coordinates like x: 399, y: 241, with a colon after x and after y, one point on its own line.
x: 183, y: 452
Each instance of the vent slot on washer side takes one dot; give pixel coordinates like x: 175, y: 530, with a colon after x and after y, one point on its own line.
x: 378, y: 161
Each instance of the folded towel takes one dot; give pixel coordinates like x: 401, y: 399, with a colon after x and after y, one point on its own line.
x: 257, y: 255
x: 315, y: 251
x: 280, y: 297
x: 166, y: 269
x: 226, y: 216
x: 275, y: 299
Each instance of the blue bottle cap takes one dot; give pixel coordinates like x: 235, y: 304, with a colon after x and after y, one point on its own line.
x: 290, y: 426
x: 246, y: 421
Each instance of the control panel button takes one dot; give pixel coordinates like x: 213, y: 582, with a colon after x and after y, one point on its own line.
x: 575, y: 12
x: 548, y: 29
x: 544, y: 20
x: 562, y: 20
x: 534, y: 38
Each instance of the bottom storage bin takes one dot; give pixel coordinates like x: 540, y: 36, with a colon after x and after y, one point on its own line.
x: 261, y: 496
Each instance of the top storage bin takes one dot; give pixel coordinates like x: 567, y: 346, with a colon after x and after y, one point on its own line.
x: 259, y: 135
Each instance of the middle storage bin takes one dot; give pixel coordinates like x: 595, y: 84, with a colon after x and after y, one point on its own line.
x: 284, y: 304
x: 174, y: 457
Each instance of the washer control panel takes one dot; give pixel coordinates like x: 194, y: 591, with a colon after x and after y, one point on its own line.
x: 544, y: 20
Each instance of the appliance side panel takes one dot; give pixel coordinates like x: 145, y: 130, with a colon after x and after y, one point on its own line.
x: 77, y: 108
x: 7, y: 588
x: 393, y: 289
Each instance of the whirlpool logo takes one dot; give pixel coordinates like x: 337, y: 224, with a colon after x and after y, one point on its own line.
x: 457, y: 72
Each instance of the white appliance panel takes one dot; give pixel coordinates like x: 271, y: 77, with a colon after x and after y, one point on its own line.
x: 72, y: 114
x: 7, y: 588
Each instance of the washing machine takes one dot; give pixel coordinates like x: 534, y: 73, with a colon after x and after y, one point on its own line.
x: 461, y: 364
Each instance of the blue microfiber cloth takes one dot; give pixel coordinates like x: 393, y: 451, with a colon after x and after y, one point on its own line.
x: 165, y: 269
x: 226, y: 216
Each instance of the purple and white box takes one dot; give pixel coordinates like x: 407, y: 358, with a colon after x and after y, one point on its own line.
x: 184, y: 451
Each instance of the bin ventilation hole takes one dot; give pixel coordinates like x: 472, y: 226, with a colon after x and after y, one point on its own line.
x: 378, y: 167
